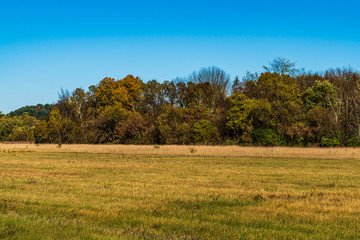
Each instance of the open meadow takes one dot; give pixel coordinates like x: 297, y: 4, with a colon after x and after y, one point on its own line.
x: 178, y: 192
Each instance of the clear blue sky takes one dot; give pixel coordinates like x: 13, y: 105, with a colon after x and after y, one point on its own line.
x: 46, y: 45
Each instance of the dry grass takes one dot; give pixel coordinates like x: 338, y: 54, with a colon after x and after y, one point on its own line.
x: 229, y: 151
x: 145, y: 192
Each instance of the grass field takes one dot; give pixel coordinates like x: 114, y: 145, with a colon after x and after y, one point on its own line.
x: 146, y: 192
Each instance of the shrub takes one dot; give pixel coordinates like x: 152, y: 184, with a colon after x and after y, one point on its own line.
x: 192, y: 150
x: 172, y: 127
x: 266, y: 137
x: 353, y: 142
x: 329, y: 142
x: 203, y: 131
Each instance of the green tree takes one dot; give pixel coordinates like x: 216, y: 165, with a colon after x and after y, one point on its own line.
x: 203, y: 131
x: 54, y: 126
x: 39, y: 111
x: 322, y: 101
x: 246, y: 114
x: 18, y: 128
x: 322, y: 93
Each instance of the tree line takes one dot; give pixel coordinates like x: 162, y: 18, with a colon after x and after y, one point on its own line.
x: 282, y: 105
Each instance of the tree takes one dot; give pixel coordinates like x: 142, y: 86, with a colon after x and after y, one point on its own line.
x: 39, y: 111
x: 282, y: 66
x: 18, y: 128
x: 109, y: 92
x: 325, y: 95
x: 215, y: 84
x: 134, y: 87
x: 203, y: 131
x: 347, y: 80
x: 78, y: 101
x: 131, y: 130
x: 107, y: 122
x: 154, y: 99
x: 125, y: 92
x: 63, y: 103
x: 320, y: 124
x: 172, y: 127
x: 322, y: 93
x: 54, y: 126
x: 245, y: 115
x: 282, y: 93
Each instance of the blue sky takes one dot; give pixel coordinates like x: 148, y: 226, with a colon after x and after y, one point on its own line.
x: 46, y: 45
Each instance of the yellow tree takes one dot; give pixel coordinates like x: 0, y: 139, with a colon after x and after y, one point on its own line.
x: 125, y: 92
x: 134, y: 87
x: 116, y: 99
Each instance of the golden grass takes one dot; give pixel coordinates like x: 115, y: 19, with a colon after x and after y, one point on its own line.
x: 142, y: 192
x: 195, y: 150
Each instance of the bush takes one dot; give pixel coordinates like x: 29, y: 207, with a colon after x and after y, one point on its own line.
x: 203, y: 131
x: 353, y: 142
x: 192, y: 150
x: 329, y: 142
x: 266, y: 137
x: 17, y: 128
x: 172, y: 127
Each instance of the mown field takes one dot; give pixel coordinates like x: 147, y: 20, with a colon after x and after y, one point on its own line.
x: 64, y: 194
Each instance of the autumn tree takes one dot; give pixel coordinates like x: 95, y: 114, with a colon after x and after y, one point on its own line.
x: 213, y: 85
x: 172, y: 127
x: 125, y: 92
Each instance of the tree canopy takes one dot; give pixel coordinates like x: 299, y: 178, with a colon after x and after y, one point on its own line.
x: 279, y: 106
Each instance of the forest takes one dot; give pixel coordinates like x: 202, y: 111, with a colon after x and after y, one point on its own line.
x: 280, y: 106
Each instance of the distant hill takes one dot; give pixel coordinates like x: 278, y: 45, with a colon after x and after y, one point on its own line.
x: 39, y: 111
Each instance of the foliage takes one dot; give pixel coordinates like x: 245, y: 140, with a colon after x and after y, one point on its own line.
x: 266, y: 137
x: 125, y: 92
x: 353, y: 142
x: 172, y: 128
x: 209, y: 87
x: 246, y: 114
x: 322, y: 93
x: 203, y: 131
x: 39, y: 111
x: 279, y: 106
x: 329, y: 142
x: 18, y: 128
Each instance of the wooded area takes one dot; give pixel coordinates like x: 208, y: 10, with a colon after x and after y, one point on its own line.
x: 282, y: 105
